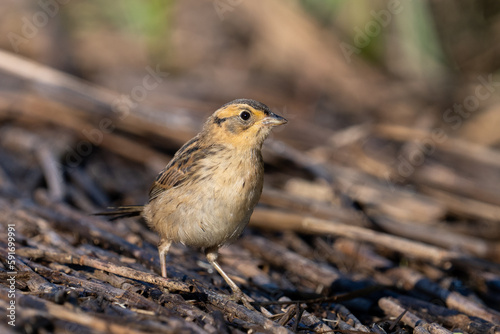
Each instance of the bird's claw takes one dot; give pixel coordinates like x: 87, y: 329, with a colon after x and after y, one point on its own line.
x: 239, y: 296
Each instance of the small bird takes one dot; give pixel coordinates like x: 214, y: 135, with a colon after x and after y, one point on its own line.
x: 206, y: 194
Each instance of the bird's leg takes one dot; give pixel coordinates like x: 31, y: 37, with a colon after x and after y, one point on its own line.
x: 237, y: 293
x: 163, y: 248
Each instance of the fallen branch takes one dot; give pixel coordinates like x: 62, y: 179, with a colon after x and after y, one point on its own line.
x: 280, y: 221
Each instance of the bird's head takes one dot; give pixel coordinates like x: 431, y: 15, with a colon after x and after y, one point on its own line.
x: 242, y: 123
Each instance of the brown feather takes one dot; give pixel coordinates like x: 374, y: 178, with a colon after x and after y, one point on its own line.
x: 183, y: 165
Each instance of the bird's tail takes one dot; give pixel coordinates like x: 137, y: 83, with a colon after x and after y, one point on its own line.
x: 121, y: 212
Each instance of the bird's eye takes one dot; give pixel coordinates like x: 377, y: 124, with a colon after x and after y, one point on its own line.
x: 245, y: 115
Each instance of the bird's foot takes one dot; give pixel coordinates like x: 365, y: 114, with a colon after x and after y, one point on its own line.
x: 240, y: 296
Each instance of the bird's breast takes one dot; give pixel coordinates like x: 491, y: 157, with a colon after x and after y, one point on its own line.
x: 228, y: 197
x: 237, y: 181
x: 215, y: 205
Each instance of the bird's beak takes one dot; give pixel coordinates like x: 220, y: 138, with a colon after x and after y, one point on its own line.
x: 274, y: 120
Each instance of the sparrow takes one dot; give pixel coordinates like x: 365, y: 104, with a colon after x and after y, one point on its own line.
x: 205, y: 196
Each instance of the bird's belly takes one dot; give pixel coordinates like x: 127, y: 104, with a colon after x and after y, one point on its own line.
x: 206, y: 214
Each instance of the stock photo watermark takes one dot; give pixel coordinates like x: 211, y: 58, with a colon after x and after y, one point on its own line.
x: 31, y: 25
x: 363, y: 36
x: 454, y: 118
x: 11, y: 280
x: 121, y: 107
x: 225, y: 6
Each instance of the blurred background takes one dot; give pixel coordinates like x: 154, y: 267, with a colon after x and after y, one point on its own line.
x: 333, y: 62
x: 394, y: 126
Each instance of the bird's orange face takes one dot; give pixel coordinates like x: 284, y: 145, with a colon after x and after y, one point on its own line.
x: 243, y: 123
